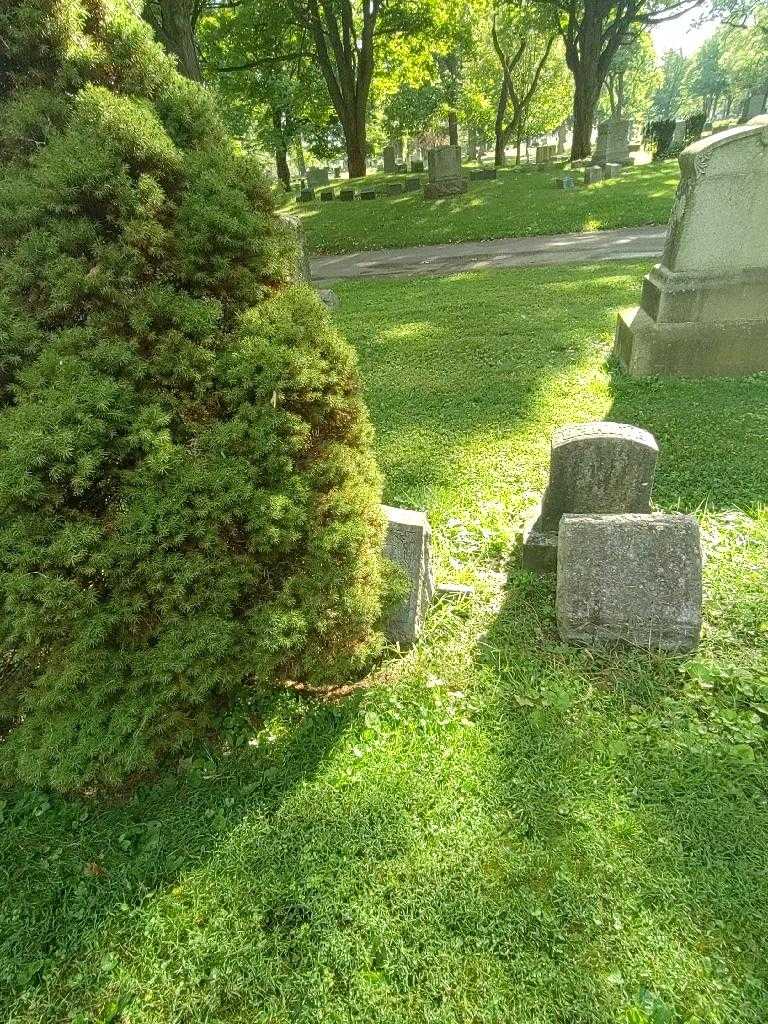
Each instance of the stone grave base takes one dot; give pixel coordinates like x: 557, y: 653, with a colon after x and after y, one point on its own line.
x: 446, y: 187
x: 538, y: 546
x: 696, y: 326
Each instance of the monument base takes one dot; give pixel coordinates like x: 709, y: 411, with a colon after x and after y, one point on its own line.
x: 446, y: 187
x: 733, y: 348
x: 538, y: 546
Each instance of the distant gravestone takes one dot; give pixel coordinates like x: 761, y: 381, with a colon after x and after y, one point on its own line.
x: 394, y: 189
x: 630, y: 579
x: 337, y: 172
x: 444, y: 172
x: 401, y: 168
x: 593, y: 173
x: 367, y: 193
x: 417, y: 166
x: 612, y: 144
x: 346, y: 195
x: 562, y: 138
x: 412, y: 184
x: 408, y: 543
x: 545, y: 153
x: 484, y: 174
x: 306, y: 195
x: 704, y: 308
x: 327, y: 195
x: 612, y: 170
x: 317, y: 176
x: 390, y: 159
x: 566, y: 182
x: 678, y: 136
x: 594, y: 468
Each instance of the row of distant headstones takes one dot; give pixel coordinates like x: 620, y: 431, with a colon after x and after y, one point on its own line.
x: 625, y: 575
x: 393, y: 188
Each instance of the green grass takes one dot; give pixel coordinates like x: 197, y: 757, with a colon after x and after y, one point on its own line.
x: 511, y: 831
x: 521, y: 202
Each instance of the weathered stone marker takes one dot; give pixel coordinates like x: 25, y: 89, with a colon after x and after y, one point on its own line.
x: 594, y: 468
x: 704, y: 308
x: 612, y: 170
x: 483, y: 174
x: 346, y: 195
x: 394, y: 189
x: 629, y: 579
x: 678, y: 136
x: 327, y: 195
x: 566, y: 182
x: 306, y: 195
x: 389, y: 159
x: 367, y: 193
x: 612, y: 144
x: 592, y: 174
x: 417, y: 166
x: 317, y: 176
x: 412, y: 184
x: 545, y: 153
x: 562, y: 138
x: 408, y: 543
x: 444, y: 172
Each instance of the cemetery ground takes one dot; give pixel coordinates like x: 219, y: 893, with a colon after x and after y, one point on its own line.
x: 522, y: 201
x: 505, y: 828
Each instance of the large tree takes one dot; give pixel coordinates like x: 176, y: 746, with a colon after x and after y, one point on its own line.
x: 175, y: 26
x: 593, y: 31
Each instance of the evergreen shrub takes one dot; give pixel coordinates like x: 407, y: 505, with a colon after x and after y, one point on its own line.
x: 189, y: 501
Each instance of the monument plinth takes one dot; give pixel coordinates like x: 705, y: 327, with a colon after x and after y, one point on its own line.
x: 704, y: 309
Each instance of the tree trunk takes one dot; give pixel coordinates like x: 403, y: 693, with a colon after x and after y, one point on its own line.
x: 174, y: 25
x: 472, y: 143
x: 281, y: 166
x: 519, y: 147
x: 453, y: 129
x: 585, y: 97
x: 355, y: 144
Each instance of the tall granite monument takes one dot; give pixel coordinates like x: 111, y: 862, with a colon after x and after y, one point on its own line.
x: 704, y: 309
x: 612, y: 146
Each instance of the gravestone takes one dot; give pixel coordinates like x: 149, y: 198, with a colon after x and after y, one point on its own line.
x: 346, y: 195
x: 754, y: 106
x: 566, y: 182
x: 317, y: 176
x: 408, y: 543
x: 594, y: 468
x: 401, y: 168
x: 612, y: 170
x: 367, y: 193
x: 612, y: 146
x: 417, y: 166
x: 395, y: 189
x: 444, y: 172
x: 389, y: 159
x: 295, y: 228
x: 545, y: 153
x: 678, y: 136
x: 704, y: 309
x: 562, y: 138
x: 306, y: 195
x: 327, y: 195
x: 412, y: 184
x: 629, y: 579
x: 592, y: 174
x: 484, y: 174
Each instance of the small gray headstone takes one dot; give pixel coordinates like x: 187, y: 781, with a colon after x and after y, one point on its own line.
x: 630, y: 579
x: 367, y: 193
x: 306, y: 195
x: 612, y: 170
x: 346, y: 195
x: 483, y: 174
x: 412, y: 184
x: 327, y: 195
x: 408, y: 543
x: 594, y: 468
x: 394, y: 189
x: 592, y: 174
x: 389, y: 159
x: 566, y: 182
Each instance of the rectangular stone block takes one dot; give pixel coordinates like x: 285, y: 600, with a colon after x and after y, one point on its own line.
x: 367, y: 193
x: 412, y: 184
x: 483, y: 174
x: 612, y: 170
x: 306, y: 195
x: 395, y: 189
x: 408, y: 543
x: 389, y: 159
x: 630, y: 579
x: 592, y: 174
x: 327, y: 195
x: 597, y: 467
x: 444, y: 163
x: 317, y: 176
x: 346, y: 195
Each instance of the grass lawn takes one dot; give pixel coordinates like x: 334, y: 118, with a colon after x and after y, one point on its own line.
x: 521, y: 202
x: 511, y: 831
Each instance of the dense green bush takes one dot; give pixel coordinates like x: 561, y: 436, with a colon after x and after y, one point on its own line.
x: 189, y: 500
x: 694, y: 126
x: 659, y: 136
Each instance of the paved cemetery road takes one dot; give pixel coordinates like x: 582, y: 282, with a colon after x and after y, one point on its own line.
x: 585, y: 247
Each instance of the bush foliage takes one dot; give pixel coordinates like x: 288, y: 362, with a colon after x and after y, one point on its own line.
x: 189, y: 499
